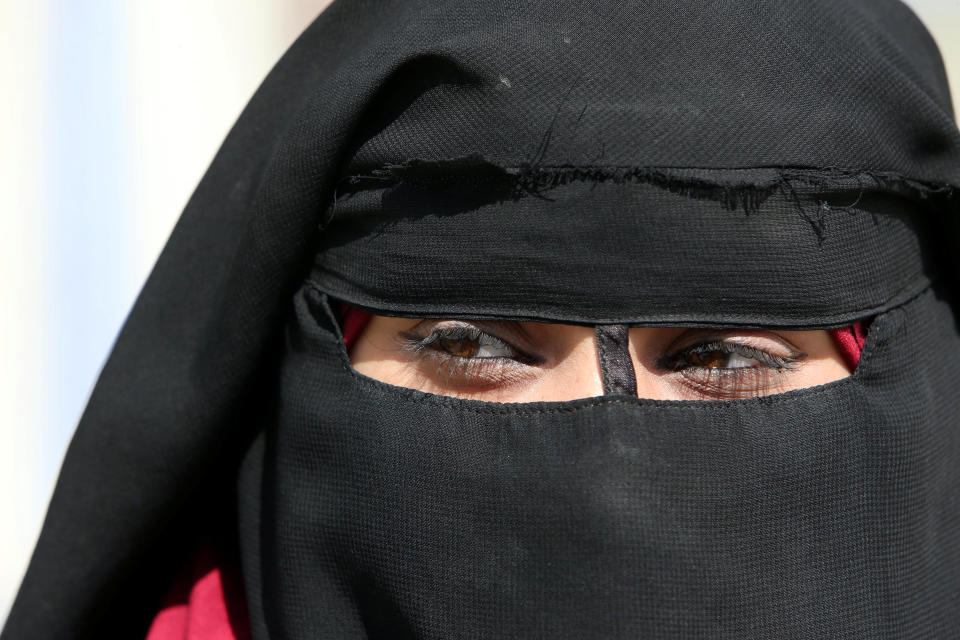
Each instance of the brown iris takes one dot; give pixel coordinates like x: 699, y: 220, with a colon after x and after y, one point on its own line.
x: 714, y: 359
x: 460, y: 347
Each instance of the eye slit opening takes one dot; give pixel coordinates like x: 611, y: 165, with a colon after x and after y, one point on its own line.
x: 455, y: 366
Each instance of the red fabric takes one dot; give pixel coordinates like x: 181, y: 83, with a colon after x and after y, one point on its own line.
x: 199, y: 605
x: 354, y: 320
x: 849, y: 341
x: 207, y: 601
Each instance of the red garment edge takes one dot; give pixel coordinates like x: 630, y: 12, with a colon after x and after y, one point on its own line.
x: 354, y: 321
x: 850, y: 341
x: 207, y: 602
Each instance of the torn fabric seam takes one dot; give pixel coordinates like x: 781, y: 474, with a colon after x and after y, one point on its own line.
x: 745, y: 189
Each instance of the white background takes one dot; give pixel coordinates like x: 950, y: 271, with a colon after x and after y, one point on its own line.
x: 110, y: 112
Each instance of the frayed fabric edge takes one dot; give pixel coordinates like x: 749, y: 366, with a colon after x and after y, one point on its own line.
x: 735, y: 189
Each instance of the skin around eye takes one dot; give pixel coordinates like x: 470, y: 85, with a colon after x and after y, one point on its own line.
x: 504, y: 361
x: 509, y: 362
x: 697, y: 364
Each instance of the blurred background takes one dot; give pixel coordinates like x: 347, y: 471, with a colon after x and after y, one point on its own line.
x: 110, y: 113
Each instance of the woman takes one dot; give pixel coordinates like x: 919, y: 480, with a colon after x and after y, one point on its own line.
x: 647, y: 219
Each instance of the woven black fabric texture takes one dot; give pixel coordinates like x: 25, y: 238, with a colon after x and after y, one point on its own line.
x: 625, y: 253
x: 788, y: 163
x: 616, y: 365
x: 824, y: 512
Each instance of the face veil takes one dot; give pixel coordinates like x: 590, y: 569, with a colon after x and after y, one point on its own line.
x: 744, y: 164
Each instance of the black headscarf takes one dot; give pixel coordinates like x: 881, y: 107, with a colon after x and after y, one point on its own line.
x: 745, y: 163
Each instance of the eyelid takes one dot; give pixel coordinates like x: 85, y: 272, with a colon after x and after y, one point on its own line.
x: 510, y: 331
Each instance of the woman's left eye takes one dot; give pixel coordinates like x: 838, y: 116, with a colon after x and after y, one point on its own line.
x: 720, y: 354
x: 726, y: 367
x: 481, y: 345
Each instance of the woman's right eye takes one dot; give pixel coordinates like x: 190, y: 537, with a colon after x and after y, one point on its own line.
x: 462, y: 340
x: 722, y: 354
x: 461, y: 354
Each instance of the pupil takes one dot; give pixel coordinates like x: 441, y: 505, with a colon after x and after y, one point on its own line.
x: 461, y: 347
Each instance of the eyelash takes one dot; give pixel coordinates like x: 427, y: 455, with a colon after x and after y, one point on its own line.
x: 716, y: 382
x: 677, y: 361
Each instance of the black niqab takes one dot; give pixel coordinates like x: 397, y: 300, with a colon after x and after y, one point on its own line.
x: 787, y: 164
